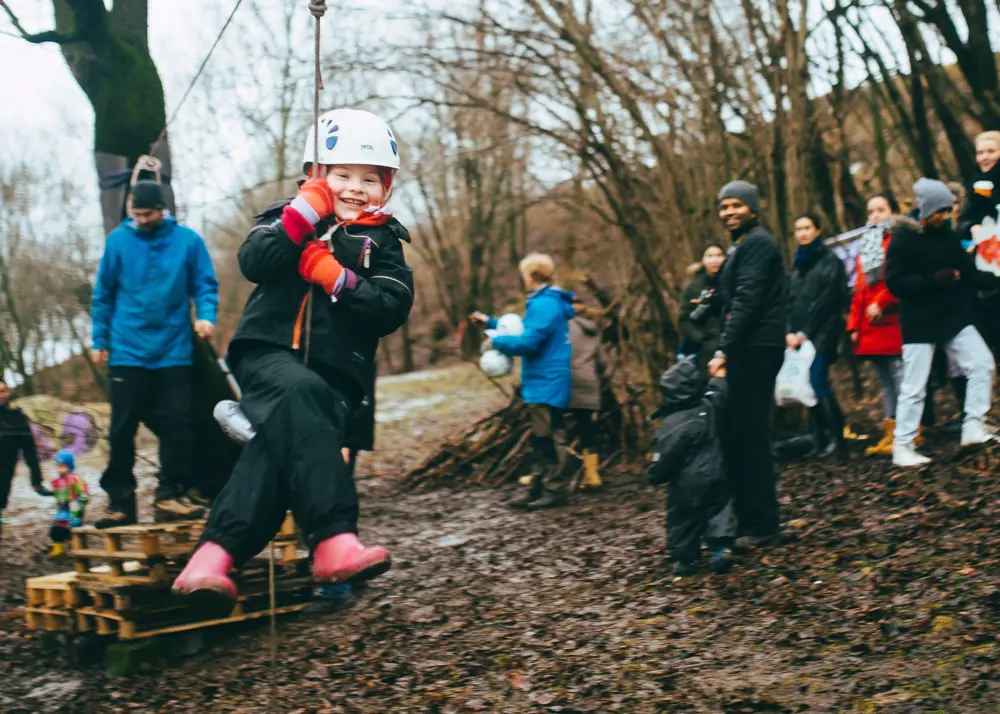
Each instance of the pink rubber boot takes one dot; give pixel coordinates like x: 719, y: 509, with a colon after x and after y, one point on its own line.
x: 342, y: 559
x: 205, y: 579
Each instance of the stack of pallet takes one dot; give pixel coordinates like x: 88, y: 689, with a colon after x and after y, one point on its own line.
x: 121, y: 584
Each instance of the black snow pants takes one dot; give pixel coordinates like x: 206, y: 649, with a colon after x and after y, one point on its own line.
x: 695, y: 510
x: 746, y: 438
x: 300, y: 414
x: 161, y: 398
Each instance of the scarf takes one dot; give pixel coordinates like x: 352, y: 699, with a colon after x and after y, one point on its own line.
x: 371, y: 216
x: 806, y: 253
x: 870, y: 253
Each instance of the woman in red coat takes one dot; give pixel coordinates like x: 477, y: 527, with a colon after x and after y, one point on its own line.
x: 873, y: 322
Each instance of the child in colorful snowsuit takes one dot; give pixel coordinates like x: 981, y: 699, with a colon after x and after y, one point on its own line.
x: 71, y: 495
x: 687, y: 455
x: 331, y: 279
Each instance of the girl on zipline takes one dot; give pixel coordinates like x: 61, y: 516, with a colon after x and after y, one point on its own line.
x: 331, y: 279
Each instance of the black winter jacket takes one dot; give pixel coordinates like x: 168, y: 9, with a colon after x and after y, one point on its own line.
x: 16, y: 439
x: 345, y: 333
x: 687, y: 454
x: 817, y: 290
x: 754, y: 292
x: 687, y: 446
x: 932, y: 310
x: 701, y: 323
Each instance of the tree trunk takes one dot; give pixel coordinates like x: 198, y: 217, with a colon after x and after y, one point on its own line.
x: 112, y: 65
x: 17, y: 353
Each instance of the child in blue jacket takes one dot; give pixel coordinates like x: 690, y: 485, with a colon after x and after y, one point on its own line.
x: 546, y: 379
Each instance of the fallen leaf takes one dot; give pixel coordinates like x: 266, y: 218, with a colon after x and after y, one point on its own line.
x: 517, y: 682
x: 942, y: 623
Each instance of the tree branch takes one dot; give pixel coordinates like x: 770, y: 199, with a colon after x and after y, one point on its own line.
x: 37, y: 38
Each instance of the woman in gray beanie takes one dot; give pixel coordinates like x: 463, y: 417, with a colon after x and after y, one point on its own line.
x: 930, y: 273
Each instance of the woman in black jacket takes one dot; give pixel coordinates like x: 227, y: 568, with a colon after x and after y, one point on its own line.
x: 701, y: 306
x: 818, y: 295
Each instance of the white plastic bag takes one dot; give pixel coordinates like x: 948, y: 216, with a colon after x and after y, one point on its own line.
x: 495, y: 364
x: 792, y: 385
x: 509, y: 324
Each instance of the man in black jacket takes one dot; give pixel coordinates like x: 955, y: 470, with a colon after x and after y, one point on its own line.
x: 751, y: 348
x: 930, y: 273
x: 15, y: 438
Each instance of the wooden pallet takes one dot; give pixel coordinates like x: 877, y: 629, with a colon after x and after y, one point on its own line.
x: 152, y: 546
x: 128, y: 594
x: 51, y: 602
x: 142, y: 600
x: 51, y: 619
x: 155, y: 551
x: 105, y: 621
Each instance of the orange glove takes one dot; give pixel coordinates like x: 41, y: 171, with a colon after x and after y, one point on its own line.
x: 315, y: 200
x: 318, y: 266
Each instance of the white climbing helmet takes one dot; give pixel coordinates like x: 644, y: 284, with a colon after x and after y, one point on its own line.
x: 495, y: 364
x: 353, y: 136
x: 509, y: 324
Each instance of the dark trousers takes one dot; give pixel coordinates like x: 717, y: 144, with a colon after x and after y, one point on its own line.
x: 696, y: 511
x: 6, y: 474
x: 294, y: 461
x: 586, y: 427
x: 161, y: 399
x: 746, y: 438
x: 819, y: 377
x: 548, y: 450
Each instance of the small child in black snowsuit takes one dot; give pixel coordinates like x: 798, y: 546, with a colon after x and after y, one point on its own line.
x: 687, y: 455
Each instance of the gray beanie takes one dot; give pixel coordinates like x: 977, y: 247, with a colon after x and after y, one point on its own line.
x: 932, y: 197
x: 742, y: 191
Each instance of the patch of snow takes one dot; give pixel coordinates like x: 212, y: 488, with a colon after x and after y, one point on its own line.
x: 55, y: 691
x: 420, y: 376
x: 405, y: 408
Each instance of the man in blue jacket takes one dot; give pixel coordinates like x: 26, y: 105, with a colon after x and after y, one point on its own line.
x: 151, y: 270
x: 546, y: 379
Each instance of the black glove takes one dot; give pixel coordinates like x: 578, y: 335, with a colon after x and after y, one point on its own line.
x: 946, y: 277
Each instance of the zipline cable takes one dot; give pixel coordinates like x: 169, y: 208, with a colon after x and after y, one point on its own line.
x: 156, y: 144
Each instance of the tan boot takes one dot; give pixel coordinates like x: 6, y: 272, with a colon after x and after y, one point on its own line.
x: 884, y: 446
x: 57, y: 550
x: 591, y: 477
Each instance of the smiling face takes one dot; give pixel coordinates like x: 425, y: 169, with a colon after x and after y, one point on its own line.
x: 734, y: 214
x: 355, y: 187
x: 987, y: 153
x: 805, y: 231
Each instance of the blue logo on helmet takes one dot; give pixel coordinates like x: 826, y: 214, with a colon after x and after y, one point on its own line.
x: 331, y: 136
x: 392, y: 143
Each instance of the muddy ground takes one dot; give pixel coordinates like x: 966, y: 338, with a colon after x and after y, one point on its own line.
x: 883, y: 597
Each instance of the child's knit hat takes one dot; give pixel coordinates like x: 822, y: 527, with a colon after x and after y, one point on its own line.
x: 65, y: 458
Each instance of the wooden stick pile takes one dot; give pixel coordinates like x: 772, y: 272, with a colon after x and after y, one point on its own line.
x: 495, y: 450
